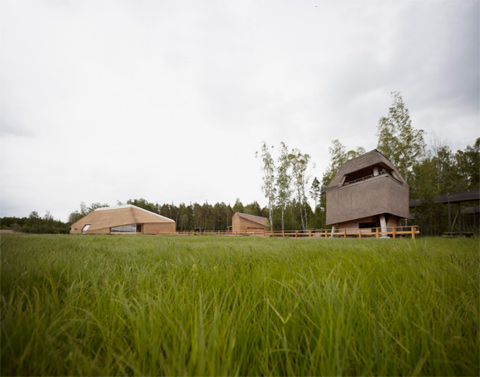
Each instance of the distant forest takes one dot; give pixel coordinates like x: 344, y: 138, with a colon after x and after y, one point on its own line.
x: 34, y: 224
x: 187, y: 216
x: 288, y: 187
x: 441, y: 172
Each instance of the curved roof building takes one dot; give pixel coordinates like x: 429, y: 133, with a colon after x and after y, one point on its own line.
x: 128, y: 219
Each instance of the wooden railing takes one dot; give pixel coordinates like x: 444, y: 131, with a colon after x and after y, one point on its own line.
x: 222, y: 233
x: 391, y: 232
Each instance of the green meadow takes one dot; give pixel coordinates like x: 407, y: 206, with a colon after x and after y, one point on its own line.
x: 206, y: 305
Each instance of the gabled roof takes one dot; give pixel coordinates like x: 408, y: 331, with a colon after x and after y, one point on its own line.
x: 374, y: 157
x: 117, y: 216
x: 256, y: 219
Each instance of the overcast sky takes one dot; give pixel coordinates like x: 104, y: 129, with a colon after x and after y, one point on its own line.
x: 168, y: 100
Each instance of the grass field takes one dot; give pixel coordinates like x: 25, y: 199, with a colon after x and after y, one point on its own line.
x: 154, y: 305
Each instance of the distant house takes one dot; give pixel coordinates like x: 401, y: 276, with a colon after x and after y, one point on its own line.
x: 367, y: 192
x: 128, y: 219
x: 243, y: 223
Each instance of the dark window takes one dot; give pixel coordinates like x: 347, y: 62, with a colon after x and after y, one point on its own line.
x: 363, y: 174
x: 367, y: 225
x: 139, y: 228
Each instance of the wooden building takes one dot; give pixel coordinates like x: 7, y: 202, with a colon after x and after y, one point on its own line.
x: 128, y: 219
x: 367, y: 192
x: 243, y: 223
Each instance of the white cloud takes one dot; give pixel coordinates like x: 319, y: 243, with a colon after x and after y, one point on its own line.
x: 170, y: 100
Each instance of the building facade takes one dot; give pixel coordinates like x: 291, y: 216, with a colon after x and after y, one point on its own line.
x: 367, y: 192
x: 128, y: 219
x: 244, y: 223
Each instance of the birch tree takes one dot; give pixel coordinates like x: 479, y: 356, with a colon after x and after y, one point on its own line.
x: 268, y: 187
x: 300, y: 163
x: 315, y: 191
x: 284, y: 180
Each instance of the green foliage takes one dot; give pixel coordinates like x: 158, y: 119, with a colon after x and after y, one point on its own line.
x: 149, y: 305
x: 398, y: 140
x: 74, y: 217
x: 268, y: 168
x: 317, y: 219
x: 338, y: 156
x: 442, y: 172
x: 428, y: 174
x: 300, y: 180
x: 142, y: 203
x: 292, y: 216
x: 316, y: 191
x: 284, y: 180
x: 238, y: 206
x: 84, y: 211
x: 35, y: 224
x: 437, y: 174
x: 468, y: 164
x: 253, y: 209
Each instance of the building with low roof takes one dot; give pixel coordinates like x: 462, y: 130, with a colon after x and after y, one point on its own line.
x: 367, y: 192
x: 127, y: 219
x: 244, y: 223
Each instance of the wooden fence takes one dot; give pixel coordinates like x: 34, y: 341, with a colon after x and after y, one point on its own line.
x: 408, y: 231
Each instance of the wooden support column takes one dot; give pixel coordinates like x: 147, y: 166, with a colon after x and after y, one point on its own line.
x: 449, y: 215
x: 383, y: 224
x: 456, y: 216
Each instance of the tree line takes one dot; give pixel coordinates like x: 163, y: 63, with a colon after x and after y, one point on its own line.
x: 285, y: 183
x: 188, y: 217
x: 428, y: 171
x: 287, y: 186
x: 35, y: 224
x: 206, y: 216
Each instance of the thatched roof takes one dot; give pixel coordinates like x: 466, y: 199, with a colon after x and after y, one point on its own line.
x: 256, y: 219
x: 366, y: 186
x: 118, y: 216
x: 364, y: 161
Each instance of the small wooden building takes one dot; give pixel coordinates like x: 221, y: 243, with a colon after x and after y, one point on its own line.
x: 367, y: 192
x: 243, y: 223
x: 128, y: 219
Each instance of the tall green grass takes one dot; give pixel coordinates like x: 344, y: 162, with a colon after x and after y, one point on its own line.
x: 151, y: 305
